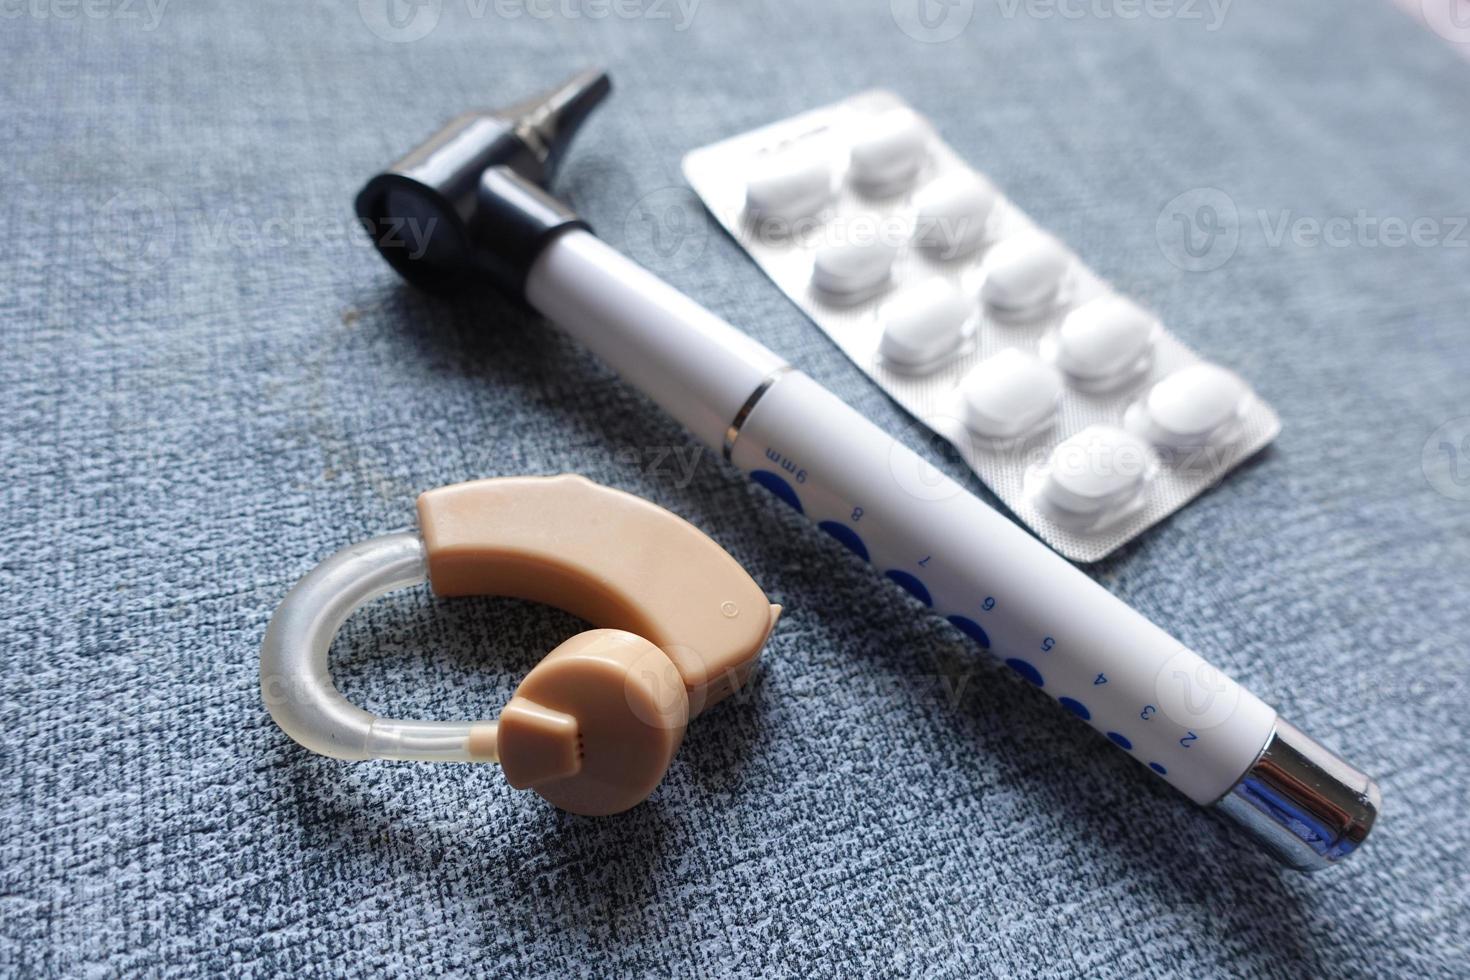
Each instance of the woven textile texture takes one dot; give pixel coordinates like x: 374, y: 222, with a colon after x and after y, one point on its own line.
x: 209, y: 383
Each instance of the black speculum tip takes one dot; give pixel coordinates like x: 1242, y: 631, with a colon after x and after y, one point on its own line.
x: 427, y: 213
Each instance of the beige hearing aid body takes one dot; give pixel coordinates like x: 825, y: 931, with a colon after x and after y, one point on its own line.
x: 593, y: 727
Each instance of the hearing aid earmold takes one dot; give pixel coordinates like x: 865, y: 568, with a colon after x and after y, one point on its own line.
x: 593, y: 727
x: 482, y: 185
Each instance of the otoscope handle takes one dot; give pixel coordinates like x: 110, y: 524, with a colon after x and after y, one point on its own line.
x: 1045, y: 619
x: 1052, y: 624
x: 696, y: 366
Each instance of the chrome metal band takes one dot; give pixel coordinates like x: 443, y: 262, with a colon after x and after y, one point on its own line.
x: 1305, y: 804
x: 738, y: 422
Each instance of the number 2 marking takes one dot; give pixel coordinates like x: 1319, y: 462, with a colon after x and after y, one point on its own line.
x: 1188, y: 739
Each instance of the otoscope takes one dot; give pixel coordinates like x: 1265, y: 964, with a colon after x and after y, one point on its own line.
x: 476, y: 191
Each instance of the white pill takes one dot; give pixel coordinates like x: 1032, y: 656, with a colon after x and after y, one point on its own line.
x: 1104, y: 338
x: 1024, y: 272
x: 788, y: 185
x: 1191, y: 407
x: 853, y: 268
x: 1009, y: 394
x: 953, y: 213
x: 890, y: 148
x: 923, y: 323
x: 1098, y: 469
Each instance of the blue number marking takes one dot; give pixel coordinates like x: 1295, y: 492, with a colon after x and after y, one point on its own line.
x: 988, y: 604
x: 1047, y: 643
x: 912, y: 585
x: 857, y: 514
x: 975, y: 631
x: 925, y: 560
x: 847, y: 536
x: 1027, y: 671
x: 1100, y: 679
x: 1147, y: 712
x: 778, y: 486
x: 1121, y: 741
x: 1189, y: 739
x: 1076, y: 707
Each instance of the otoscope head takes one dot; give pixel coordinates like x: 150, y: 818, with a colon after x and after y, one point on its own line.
x: 438, y: 215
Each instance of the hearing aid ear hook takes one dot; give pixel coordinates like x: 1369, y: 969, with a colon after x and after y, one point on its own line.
x: 593, y: 727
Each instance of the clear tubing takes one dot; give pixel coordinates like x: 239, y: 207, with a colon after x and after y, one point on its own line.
x: 295, y: 669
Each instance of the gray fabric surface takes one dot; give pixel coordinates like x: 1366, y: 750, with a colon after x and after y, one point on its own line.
x: 208, y: 384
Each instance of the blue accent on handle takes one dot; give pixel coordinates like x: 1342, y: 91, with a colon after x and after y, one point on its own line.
x: 1158, y: 769
x: 974, y: 629
x: 778, y: 486
x: 1027, y: 671
x: 1076, y: 707
x: 1121, y: 741
x: 912, y: 585
x: 1315, y: 831
x: 847, y: 536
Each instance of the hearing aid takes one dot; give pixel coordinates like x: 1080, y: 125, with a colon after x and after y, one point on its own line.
x: 594, y: 726
x: 480, y: 189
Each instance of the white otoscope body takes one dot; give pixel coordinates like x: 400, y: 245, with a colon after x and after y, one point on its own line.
x: 477, y: 190
x: 1054, y: 626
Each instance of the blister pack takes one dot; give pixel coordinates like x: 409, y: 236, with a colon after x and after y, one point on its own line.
x: 1072, y: 402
